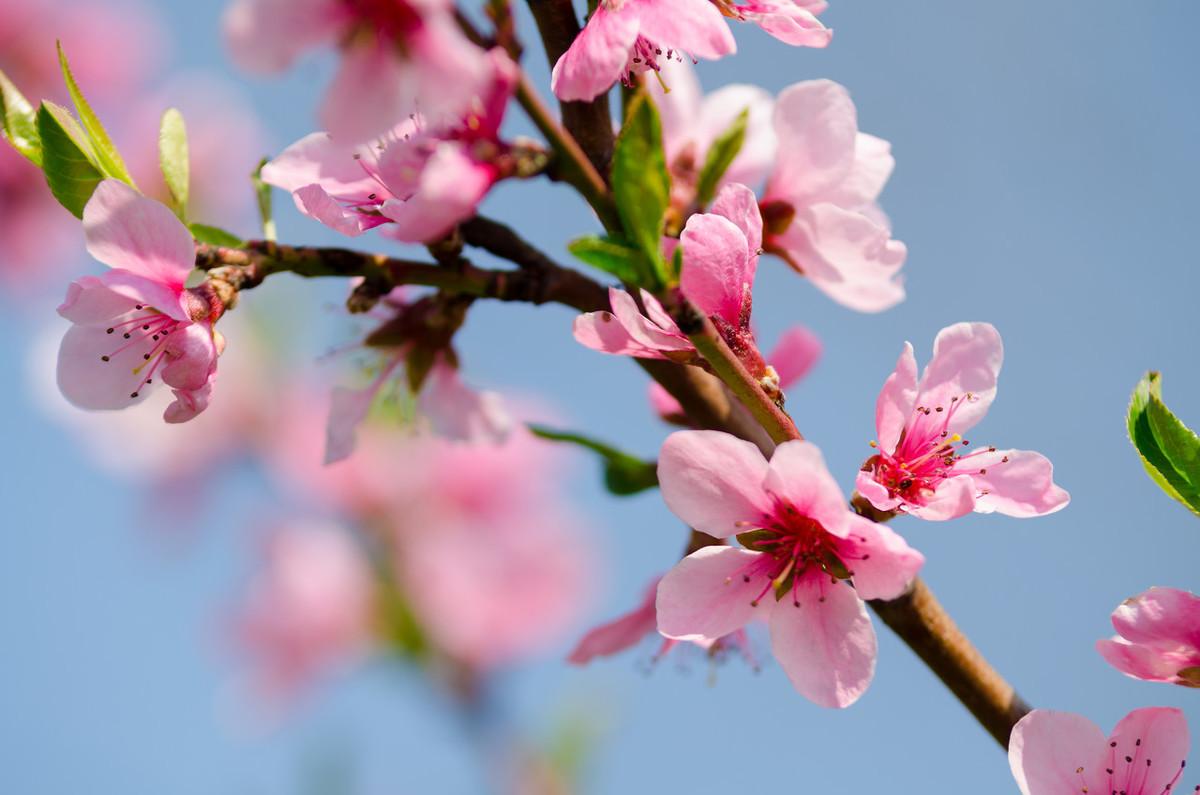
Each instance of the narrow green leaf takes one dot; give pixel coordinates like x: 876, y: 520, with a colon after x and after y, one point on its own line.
x: 107, y: 158
x: 720, y: 157
x: 624, y: 474
x: 1170, y: 450
x: 642, y: 186
x: 173, y: 159
x: 262, y: 192
x: 215, y: 236
x: 18, y: 122
x: 67, y: 160
x: 610, y: 255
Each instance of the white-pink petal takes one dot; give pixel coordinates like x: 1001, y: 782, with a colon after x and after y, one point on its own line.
x: 896, y: 400
x: 1047, y: 748
x: 966, y: 359
x: 1021, y: 486
x: 705, y: 595
x: 713, y: 481
x: 597, y: 57
x: 797, y: 475
x: 126, y: 230
x: 882, y: 562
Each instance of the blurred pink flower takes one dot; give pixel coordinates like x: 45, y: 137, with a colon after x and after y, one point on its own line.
x: 820, y: 202
x: 138, y: 319
x: 421, y: 179
x: 398, y: 58
x: 308, y: 609
x: 805, y: 567
x: 1061, y: 753
x: 1158, y: 637
x: 920, y: 468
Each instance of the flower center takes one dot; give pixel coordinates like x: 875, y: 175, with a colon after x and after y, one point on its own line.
x: 141, y: 342
x: 1127, y: 772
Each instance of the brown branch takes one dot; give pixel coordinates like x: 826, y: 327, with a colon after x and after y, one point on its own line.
x: 589, y: 122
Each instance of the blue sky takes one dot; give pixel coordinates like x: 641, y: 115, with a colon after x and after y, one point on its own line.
x: 1046, y: 164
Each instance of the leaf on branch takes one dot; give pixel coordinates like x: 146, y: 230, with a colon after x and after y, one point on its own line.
x: 262, y: 193
x: 720, y: 156
x: 105, y: 154
x: 18, y: 122
x: 173, y: 159
x: 624, y: 474
x: 642, y: 186
x: 1169, y: 449
x: 611, y: 256
x: 214, y: 236
x: 67, y: 159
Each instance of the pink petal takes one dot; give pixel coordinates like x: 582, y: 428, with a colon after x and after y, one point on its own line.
x: 1160, y: 615
x: 876, y: 493
x: 191, y: 357
x: 846, y: 255
x: 797, y: 352
x: 953, y: 497
x: 451, y: 74
x: 268, y: 35
x: 654, y: 310
x: 717, y: 114
x: 619, y: 634
x: 457, y: 412
x: 317, y: 159
x: 642, y: 329
x: 705, y: 596
x: 98, y: 300
x: 90, y: 383
x: 126, y: 230
x: 678, y: 106
x: 188, y: 403
x: 817, y: 125
x: 718, y: 269
x: 348, y: 408
x: 1046, y: 749
x: 896, y: 400
x: 372, y: 90
x: 597, y: 57
x: 1149, y: 663
x: 601, y: 331
x: 662, y: 402
x: 739, y: 204
x: 882, y: 561
x: 1022, y: 486
x: 451, y: 186
x: 798, y: 475
x: 789, y: 22
x: 966, y: 358
x: 713, y: 481
x: 694, y: 26
x: 316, y: 203
x: 873, y: 165
x: 1158, y: 734
x: 827, y: 645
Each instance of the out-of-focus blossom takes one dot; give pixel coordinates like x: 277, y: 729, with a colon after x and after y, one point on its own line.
x: 398, y: 58
x: 37, y: 236
x: 624, y: 38
x: 692, y: 122
x: 820, y: 203
x: 805, y: 566
x: 1061, y: 753
x: 308, y: 610
x: 793, y: 356
x: 138, y: 321
x: 1158, y: 637
x: 420, y: 178
x: 921, y: 467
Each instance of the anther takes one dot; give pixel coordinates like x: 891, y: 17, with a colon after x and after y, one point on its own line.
x: 109, y: 331
x: 133, y: 394
x: 939, y: 409
x: 104, y: 358
x: 126, y: 335
x: 138, y: 306
x: 146, y: 356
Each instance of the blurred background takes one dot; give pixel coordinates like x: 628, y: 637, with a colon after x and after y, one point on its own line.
x: 1046, y: 163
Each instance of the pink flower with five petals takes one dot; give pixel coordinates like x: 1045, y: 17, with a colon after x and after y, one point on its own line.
x: 1158, y: 637
x: 922, y: 467
x: 1060, y: 753
x: 138, y: 321
x: 806, y: 563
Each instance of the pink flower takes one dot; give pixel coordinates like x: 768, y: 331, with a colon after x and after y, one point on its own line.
x: 791, y: 21
x: 1158, y: 637
x: 399, y: 57
x: 820, y: 203
x: 628, y: 37
x: 692, y: 122
x: 805, y: 565
x: 793, y: 357
x: 419, y: 180
x: 1061, y: 753
x: 921, y: 468
x: 138, y: 321
x: 309, y: 609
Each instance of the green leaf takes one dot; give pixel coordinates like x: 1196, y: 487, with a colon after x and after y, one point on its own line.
x: 173, y: 158
x: 642, y: 186
x: 262, y: 192
x: 107, y: 158
x: 1170, y: 450
x: 67, y: 160
x: 720, y: 156
x: 215, y: 236
x: 610, y: 255
x: 624, y: 474
x: 18, y: 122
